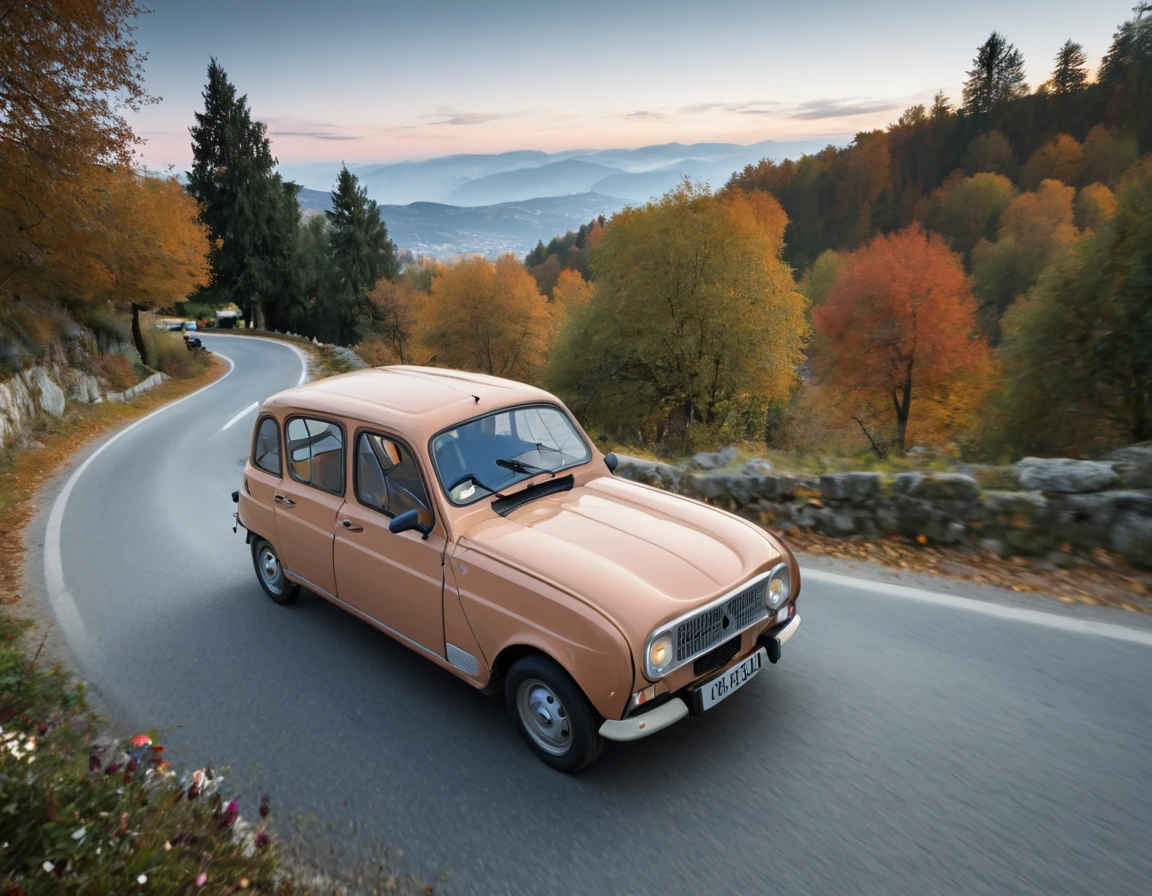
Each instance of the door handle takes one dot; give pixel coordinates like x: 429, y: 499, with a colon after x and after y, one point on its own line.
x: 351, y: 526
x: 287, y: 502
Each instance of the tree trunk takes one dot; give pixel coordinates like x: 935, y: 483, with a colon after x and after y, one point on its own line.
x: 903, y: 404
x: 138, y: 336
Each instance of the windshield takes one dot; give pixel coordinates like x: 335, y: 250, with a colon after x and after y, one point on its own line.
x: 504, y: 448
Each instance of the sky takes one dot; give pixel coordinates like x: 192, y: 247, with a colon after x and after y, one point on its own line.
x: 381, y: 81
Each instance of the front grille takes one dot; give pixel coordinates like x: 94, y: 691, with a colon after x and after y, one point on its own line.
x: 716, y: 657
x: 709, y: 628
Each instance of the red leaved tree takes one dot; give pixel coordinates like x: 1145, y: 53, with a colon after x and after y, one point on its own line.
x: 899, y: 324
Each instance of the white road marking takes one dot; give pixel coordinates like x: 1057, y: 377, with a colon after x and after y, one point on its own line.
x: 248, y: 410
x: 63, y: 605
x: 987, y: 608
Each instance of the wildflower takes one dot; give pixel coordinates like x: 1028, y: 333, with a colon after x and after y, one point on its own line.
x: 93, y: 763
x: 142, y: 879
x: 202, y: 879
x: 230, y: 815
x: 162, y: 768
x: 244, y: 882
x: 42, y: 728
x: 48, y: 867
x: 158, y: 748
x: 112, y: 769
x: 262, y: 840
x: 141, y: 740
x: 264, y: 810
x: 79, y: 833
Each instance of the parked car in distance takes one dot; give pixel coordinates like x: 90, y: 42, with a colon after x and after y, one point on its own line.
x: 474, y: 521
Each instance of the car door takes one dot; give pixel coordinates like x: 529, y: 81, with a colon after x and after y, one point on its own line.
x: 308, y: 498
x: 262, y: 476
x: 395, y: 578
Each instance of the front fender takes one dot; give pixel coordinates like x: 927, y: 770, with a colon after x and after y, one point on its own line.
x: 507, y: 607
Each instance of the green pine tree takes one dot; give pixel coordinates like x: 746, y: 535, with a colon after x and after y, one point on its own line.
x: 1071, y: 72
x: 997, y: 76
x: 359, y: 253
x: 250, y: 212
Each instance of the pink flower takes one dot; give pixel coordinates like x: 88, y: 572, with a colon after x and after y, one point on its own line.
x: 262, y: 840
x: 141, y: 740
x: 202, y: 879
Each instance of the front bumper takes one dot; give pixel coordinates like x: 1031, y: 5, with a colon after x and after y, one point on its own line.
x: 672, y: 711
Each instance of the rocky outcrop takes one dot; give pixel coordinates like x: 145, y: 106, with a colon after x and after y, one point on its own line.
x: 1066, y: 503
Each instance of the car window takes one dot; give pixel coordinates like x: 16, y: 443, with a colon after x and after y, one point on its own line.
x: 387, y: 477
x: 316, y: 453
x: 524, y: 440
x: 266, y: 446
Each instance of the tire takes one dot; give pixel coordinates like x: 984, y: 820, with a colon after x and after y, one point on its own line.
x: 270, y: 573
x: 552, y: 713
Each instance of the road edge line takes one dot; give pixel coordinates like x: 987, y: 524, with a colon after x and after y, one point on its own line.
x: 988, y: 608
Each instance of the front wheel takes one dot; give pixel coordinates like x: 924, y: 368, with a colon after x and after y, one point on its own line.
x: 552, y: 713
x: 270, y: 572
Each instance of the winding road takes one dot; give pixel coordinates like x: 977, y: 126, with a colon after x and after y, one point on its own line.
x: 928, y: 740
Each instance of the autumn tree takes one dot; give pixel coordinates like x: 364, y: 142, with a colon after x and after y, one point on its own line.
x: 1078, y: 352
x: 394, y: 310
x: 1107, y: 155
x: 1032, y: 229
x: 1071, y: 72
x: 897, y: 333
x: 1061, y: 158
x: 487, y: 317
x: 1095, y: 206
x: 154, y: 248
x: 693, y: 321
x: 968, y: 210
x: 997, y: 76
x: 69, y: 71
x: 989, y: 152
x: 251, y: 214
x: 360, y: 254
x: 570, y: 293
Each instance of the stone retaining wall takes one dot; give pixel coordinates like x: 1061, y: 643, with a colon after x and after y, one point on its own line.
x: 1032, y: 508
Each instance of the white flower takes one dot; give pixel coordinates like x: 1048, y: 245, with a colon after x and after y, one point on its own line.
x: 48, y: 867
x: 142, y: 879
x: 79, y: 833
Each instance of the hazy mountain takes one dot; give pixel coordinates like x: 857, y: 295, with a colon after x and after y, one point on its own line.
x: 480, y: 179
x: 505, y: 202
x: 554, y: 179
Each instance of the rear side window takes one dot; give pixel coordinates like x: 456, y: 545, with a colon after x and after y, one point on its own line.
x: 387, y: 477
x: 316, y: 453
x: 266, y: 446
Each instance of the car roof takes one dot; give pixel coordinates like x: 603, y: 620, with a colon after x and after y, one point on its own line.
x: 417, y: 401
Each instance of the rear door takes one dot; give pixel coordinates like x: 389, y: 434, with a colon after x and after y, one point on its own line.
x: 262, y: 476
x: 396, y: 578
x: 308, y: 499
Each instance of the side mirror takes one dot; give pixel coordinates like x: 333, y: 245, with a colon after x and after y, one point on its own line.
x: 611, y: 461
x: 408, y: 520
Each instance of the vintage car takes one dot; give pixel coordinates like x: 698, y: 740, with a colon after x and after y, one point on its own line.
x: 473, y: 520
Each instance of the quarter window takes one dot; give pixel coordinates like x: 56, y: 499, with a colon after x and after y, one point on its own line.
x: 387, y: 477
x: 316, y: 453
x: 266, y: 446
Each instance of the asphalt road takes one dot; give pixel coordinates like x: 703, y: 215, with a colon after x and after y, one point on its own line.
x: 903, y: 745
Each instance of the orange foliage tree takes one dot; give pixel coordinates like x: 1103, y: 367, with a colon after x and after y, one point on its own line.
x: 897, y: 327
x: 488, y: 317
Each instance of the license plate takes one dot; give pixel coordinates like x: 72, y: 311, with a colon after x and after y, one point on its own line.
x: 712, y: 692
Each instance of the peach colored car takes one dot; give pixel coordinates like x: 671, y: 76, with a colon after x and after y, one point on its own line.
x: 472, y: 519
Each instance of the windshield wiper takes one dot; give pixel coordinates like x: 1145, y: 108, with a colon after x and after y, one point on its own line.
x: 468, y: 477
x: 518, y: 466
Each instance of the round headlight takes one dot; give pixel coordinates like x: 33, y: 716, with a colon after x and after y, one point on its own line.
x: 660, y: 653
x: 779, y: 587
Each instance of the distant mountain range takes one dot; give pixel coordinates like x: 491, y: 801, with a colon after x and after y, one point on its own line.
x: 446, y: 231
x: 635, y: 175
x: 505, y: 202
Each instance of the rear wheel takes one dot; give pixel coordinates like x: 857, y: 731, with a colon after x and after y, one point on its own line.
x: 552, y: 713
x: 270, y: 572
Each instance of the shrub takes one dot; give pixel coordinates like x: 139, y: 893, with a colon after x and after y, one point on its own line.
x: 170, y: 355
x: 118, y: 372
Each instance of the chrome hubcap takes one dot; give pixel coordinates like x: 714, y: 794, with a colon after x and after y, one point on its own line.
x: 270, y: 570
x: 544, y: 717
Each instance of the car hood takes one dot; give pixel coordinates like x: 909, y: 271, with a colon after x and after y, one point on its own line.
x: 639, y: 555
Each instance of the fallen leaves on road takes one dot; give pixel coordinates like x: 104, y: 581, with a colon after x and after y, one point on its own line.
x: 1094, y: 578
